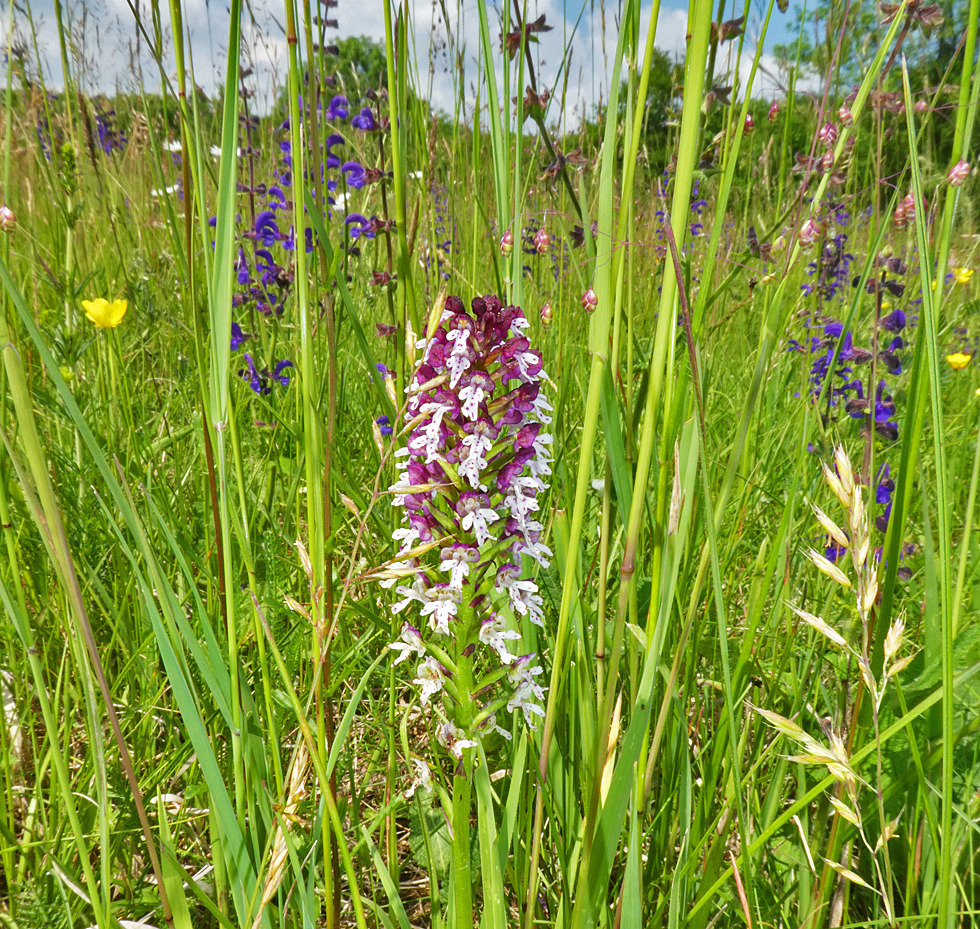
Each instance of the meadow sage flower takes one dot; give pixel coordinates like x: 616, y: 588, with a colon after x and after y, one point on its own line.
x: 104, y: 314
x: 259, y: 380
x: 472, y: 470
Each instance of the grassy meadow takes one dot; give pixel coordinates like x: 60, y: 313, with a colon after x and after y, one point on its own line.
x: 641, y: 591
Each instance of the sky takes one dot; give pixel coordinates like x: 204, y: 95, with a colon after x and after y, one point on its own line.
x: 109, y: 53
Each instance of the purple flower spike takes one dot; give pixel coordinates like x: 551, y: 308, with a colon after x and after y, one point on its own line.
x: 472, y: 474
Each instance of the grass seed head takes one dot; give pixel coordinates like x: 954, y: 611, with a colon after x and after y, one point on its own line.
x: 835, y: 484
x: 829, y: 568
x: 822, y: 627
x: 830, y: 527
x: 844, y: 469
x: 893, y: 641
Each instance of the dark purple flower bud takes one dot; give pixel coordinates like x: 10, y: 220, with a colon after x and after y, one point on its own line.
x: 894, y: 321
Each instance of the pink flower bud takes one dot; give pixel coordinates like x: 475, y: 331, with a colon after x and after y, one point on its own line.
x: 507, y: 243
x: 589, y: 300
x: 844, y: 115
x: 749, y: 124
x: 7, y: 219
x: 542, y: 241
x: 827, y: 162
x: 908, y: 204
x: 773, y: 112
x: 828, y: 134
x: 921, y: 106
x: 957, y: 174
x: 547, y: 315
x: 809, y: 233
x: 900, y: 218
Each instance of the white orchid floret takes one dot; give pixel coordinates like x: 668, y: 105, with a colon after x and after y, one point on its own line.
x: 540, y: 405
x: 523, y: 671
x: 494, y: 632
x: 414, y: 594
x: 490, y: 725
x: 429, y: 440
x: 457, y: 560
x: 422, y: 777
x: 429, y: 679
x: 474, y: 393
x: 480, y: 440
x: 528, y: 603
x: 409, y: 641
x: 509, y: 579
x: 459, y: 358
x: 407, y: 535
x: 401, y: 484
x: 536, y: 550
x: 523, y: 699
x: 525, y: 360
x: 476, y: 515
x: 451, y: 739
x: 472, y: 464
x: 441, y: 605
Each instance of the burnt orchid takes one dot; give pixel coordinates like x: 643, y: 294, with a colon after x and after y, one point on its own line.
x: 474, y: 465
x: 471, y: 474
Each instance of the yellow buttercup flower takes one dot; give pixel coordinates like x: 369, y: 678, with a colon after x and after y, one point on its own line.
x: 104, y: 314
x: 963, y: 275
x: 958, y: 360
